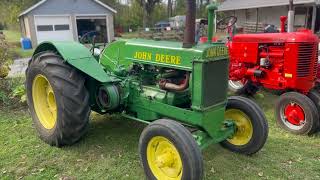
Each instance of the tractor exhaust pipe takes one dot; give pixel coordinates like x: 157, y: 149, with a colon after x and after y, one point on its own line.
x: 290, y: 16
x: 190, y: 26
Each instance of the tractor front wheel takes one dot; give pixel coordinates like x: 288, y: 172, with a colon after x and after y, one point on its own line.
x: 297, y: 113
x: 58, y: 100
x: 169, y: 151
x: 251, y: 126
x: 243, y: 87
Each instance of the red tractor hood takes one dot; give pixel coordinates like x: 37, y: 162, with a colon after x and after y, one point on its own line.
x: 302, y: 36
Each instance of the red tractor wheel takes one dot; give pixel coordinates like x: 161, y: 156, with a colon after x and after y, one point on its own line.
x: 297, y: 113
x: 243, y: 87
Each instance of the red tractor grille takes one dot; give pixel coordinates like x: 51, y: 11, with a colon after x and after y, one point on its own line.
x: 307, y: 59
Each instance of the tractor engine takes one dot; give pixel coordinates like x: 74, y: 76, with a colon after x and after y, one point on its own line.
x: 279, y: 61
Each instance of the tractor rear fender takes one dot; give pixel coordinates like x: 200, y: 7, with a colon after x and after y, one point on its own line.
x: 78, y: 56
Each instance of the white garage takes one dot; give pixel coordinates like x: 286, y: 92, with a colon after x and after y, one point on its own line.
x: 61, y: 20
x: 53, y: 27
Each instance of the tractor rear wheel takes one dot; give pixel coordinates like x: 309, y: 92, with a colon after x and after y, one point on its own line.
x: 314, y: 95
x: 58, y: 100
x: 243, y: 87
x: 296, y: 113
x: 169, y: 151
x: 251, y: 126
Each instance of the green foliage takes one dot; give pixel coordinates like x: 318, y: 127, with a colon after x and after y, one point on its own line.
x: 12, y: 92
x: 19, y: 92
x: 10, y: 10
x: 4, y: 57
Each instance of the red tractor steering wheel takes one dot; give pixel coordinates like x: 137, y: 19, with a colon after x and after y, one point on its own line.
x: 227, y: 22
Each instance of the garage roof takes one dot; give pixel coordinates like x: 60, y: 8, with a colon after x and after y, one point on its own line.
x: 249, y: 4
x: 43, y: 1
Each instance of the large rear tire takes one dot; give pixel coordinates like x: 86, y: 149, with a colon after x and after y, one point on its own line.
x: 169, y: 151
x: 58, y: 100
x: 296, y: 113
x: 251, y: 126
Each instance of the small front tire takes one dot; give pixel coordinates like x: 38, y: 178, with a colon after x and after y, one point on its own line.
x: 251, y: 126
x: 296, y: 113
x: 243, y: 87
x: 169, y: 151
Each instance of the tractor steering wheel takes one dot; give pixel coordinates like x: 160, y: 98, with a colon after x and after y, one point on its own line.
x: 227, y: 22
x: 89, y: 37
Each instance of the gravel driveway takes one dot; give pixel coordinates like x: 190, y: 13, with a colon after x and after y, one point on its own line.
x: 18, y: 67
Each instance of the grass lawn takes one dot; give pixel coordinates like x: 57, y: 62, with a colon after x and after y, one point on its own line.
x: 109, y: 151
x: 13, y: 38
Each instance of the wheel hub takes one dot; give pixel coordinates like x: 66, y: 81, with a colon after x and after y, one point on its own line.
x: 164, y: 159
x: 294, y: 114
x: 44, y: 101
x: 237, y: 84
x: 244, y: 128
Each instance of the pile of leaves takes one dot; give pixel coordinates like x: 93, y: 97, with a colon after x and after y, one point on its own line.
x: 4, y: 57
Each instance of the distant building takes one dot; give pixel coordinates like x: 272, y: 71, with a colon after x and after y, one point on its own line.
x: 177, y: 21
x: 307, y: 12
x: 66, y: 20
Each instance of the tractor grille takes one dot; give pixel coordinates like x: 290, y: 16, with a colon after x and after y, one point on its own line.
x: 215, y: 82
x: 307, y: 59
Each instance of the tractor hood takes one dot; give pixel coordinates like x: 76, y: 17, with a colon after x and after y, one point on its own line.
x: 302, y: 36
x: 164, y: 53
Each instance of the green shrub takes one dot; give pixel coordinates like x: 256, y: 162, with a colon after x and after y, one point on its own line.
x: 12, y: 92
x: 19, y: 92
x: 4, y: 57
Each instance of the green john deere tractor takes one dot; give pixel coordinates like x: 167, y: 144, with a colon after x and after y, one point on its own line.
x: 178, y: 89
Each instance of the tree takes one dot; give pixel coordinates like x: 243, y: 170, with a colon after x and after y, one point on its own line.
x: 10, y: 10
x: 169, y: 8
x: 148, y: 7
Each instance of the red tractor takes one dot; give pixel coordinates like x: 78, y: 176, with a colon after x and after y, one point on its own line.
x: 286, y: 62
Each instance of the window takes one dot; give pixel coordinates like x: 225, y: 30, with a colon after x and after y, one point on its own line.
x: 61, y: 27
x: 45, y: 28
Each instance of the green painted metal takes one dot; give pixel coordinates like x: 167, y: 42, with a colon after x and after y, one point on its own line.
x: 211, y: 18
x: 78, y: 56
x: 165, y: 53
x: 133, y: 68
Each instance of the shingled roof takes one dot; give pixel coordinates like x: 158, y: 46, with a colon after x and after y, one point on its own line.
x: 43, y: 1
x: 249, y: 4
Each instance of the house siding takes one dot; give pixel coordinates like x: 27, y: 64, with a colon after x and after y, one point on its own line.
x: 267, y: 15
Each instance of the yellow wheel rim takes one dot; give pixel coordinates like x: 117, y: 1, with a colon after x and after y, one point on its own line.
x: 164, y: 159
x: 244, y: 128
x: 44, y: 101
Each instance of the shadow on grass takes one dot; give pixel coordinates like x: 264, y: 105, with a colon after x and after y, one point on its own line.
x: 109, y: 133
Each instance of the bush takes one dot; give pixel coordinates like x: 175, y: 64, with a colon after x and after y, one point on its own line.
x: 12, y: 92
x: 4, y: 57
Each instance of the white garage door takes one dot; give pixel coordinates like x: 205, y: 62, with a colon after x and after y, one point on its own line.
x: 53, y: 28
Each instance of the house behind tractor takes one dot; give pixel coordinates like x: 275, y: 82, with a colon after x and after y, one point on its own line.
x: 261, y: 12
x: 65, y: 20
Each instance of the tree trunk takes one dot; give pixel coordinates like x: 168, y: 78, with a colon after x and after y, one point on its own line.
x: 145, y: 14
x: 169, y: 10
